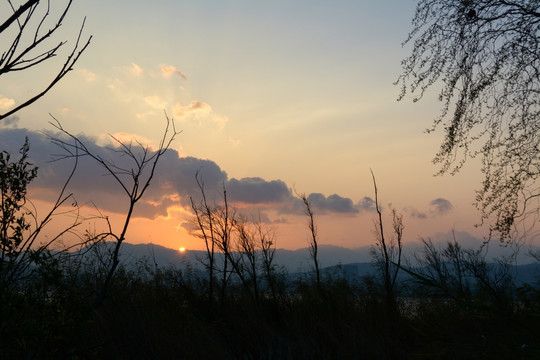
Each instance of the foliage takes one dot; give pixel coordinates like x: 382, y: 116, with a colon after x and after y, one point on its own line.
x: 20, y: 257
x: 484, y: 54
x: 14, y: 179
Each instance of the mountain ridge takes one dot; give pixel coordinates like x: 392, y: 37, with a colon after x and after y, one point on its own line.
x: 349, y: 263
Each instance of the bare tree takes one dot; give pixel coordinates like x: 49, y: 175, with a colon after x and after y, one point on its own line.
x: 133, y: 179
x: 246, y: 264
x: 313, y: 243
x: 465, y: 275
x: 205, y: 224
x: 484, y: 56
x: 443, y: 270
x: 389, y: 251
x: 224, y: 219
x: 215, y: 225
x: 236, y: 246
x: 267, y: 245
x: 26, y: 33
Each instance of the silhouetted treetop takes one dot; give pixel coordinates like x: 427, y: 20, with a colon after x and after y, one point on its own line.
x: 482, y: 57
x: 26, y: 31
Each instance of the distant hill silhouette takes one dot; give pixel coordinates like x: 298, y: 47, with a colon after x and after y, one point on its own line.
x: 350, y: 263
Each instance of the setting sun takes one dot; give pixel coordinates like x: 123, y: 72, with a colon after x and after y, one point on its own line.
x: 182, y: 249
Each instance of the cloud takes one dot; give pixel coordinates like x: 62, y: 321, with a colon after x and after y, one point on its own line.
x: 254, y: 190
x: 234, y: 142
x: 144, y: 115
x: 10, y: 121
x: 168, y: 71
x: 189, y: 226
x: 255, y: 215
x: 123, y: 137
x: 199, y: 112
x: 173, y: 183
x: 155, y: 101
x: 6, y: 103
x: 332, y: 203
x: 415, y: 213
x: 90, y: 182
x: 440, y: 206
x: 437, y: 207
x: 133, y: 69
x: 366, y: 204
x: 88, y: 75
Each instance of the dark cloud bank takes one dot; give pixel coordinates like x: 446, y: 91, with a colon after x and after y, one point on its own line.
x: 173, y: 184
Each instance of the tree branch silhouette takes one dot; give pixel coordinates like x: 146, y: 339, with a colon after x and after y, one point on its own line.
x: 19, y: 56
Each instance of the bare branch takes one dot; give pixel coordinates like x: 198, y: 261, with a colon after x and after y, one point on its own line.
x: 313, y: 244
x: 17, y: 14
x: 134, y: 180
x: 12, y: 60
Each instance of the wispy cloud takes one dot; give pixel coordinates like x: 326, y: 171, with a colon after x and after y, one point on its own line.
x: 6, y: 103
x: 88, y: 75
x: 200, y: 112
x: 155, y: 101
x: 10, y: 121
x: 412, y: 212
x: 105, y: 140
x: 234, y: 142
x: 133, y: 69
x: 145, y: 115
x: 168, y: 71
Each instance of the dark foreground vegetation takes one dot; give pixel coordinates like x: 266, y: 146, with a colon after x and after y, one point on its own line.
x: 154, y: 313
x: 82, y: 302
x: 447, y: 303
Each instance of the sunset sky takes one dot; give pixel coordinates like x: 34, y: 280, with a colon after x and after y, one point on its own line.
x: 270, y: 96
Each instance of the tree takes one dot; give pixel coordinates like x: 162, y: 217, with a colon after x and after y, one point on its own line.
x: 24, y: 31
x: 216, y: 225
x: 236, y: 246
x: 255, y: 249
x: 465, y: 276
x: 205, y: 223
x: 387, y: 253
x: 133, y: 179
x: 313, y: 243
x: 484, y: 56
x: 22, y: 250
x: 14, y: 179
x: 443, y: 270
x: 267, y: 243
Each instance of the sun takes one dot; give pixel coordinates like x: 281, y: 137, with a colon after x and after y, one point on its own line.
x: 182, y: 249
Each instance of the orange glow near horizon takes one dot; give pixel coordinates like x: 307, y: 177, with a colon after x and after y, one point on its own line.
x: 182, y: 249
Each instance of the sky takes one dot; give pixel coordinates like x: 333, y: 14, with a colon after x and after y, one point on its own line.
x: 272, y: 98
